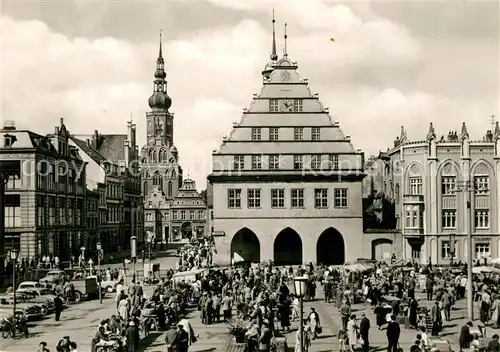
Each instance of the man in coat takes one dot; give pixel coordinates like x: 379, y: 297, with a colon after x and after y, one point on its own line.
x: 465, y: 336
x: 437, y: 319
x: 446, y: 300
x: 170, y: 338
x: 364, y: 328
x: 58, y: 307
x: 393, y: 332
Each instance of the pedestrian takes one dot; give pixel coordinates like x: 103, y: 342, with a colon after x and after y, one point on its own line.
x: 364, y: 329
x: 131, y: 337
x: 352, y: 333
x: 226, y: 306
x: 393, y: 333
x: 58, y: 307
x: 181, y: 339
x: 446, y: 301
x: 436, y: 319
x: 465, y: 336
x: 345, y: 313
x: 42, y: 347
x: 494, y: 345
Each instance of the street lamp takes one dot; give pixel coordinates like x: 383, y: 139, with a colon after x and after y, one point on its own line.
x: 149, y: 239
x: 300, y: 285
x: 468, y: 187
x: 99, y: 279
x: 133, y: 253
x: 14, y: 253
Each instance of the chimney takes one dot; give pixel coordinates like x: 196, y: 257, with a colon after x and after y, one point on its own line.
x: 95, y: 140
x: 9, y: 125
x: 61, y: 121
x: 127, y: 153
x: 129, y: 131
x: 89, y: 142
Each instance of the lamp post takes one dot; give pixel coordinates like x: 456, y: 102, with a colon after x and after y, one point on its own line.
x: 452, y: 248
x: 13, y: 255
x: 99, y: 279
x: 149, y: 239
x: 83, y: 254
x: 300, y: 285
x: 133, y: 253
x: 468, y: 187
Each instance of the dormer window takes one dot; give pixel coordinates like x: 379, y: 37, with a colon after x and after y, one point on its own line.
x: 297, y: 105
x: 9, y: 140
x: 273, y: 105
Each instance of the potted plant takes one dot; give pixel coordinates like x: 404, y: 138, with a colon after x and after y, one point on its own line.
x: 238, y: 328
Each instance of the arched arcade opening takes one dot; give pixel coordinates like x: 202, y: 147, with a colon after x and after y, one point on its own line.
x: 245, y: 246
x: 330, y: 248
x: 288, y: 248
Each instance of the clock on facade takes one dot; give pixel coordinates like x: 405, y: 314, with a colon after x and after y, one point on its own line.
x: 287, y: 105
x: 285, y: 76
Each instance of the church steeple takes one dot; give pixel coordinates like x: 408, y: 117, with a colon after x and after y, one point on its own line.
x: 160, y: 99
x: 274, y: 56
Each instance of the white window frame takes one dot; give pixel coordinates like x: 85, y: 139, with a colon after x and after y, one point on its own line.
x: 449, y: 219
x: 298, y: 133
x: 448, y: 185
x: 416, y: 186
x: 253, y: 198
x: 482, y: 184
x: 316, y: 161
x: 274, y: 162
x: 445, y: 250
x: 278, y: 198
x: 298, y: 162
x: 234, y: 198
x: 274, y: 133
x: 256, y: 162
x: 239, y: 162
x: 333, y: 160
x: 482, y: 218
x: 482, y: 249
x: 340, y: 198
x: 297, y: 105
x: 273, y: 105
x: 315, y: 133
x: 297, y: 198
x: 256, y: 134
x: 321, y: 198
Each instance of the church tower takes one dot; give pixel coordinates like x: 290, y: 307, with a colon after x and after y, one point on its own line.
x: 160, y: 169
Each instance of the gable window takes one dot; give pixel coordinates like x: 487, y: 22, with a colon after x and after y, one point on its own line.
x: 234, y: 198
x: 298, y: 162
x: 340, y: 198
x: 315, y: 162
x: 416, y: 186
x: 297, y: 105
x: 274, y: 133
x: 321, y: 198
x: 256, y: 133
x: 183, y: 215
x: 273, y: 105
x: 315, y: 133
x: 253, y: 198
x: 277, y: 198
x: 274, y: 162
x: 482, y: 184
x: 256, y: 162
x: 298, y: 133
x: 297, y: 197
x: 239, y: 162
x: 8, y: 141
x: 333, y: 160
x: 192, y: 215
x: 448, y: 185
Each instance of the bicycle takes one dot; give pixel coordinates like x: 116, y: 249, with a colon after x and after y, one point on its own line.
x: 14, y: 330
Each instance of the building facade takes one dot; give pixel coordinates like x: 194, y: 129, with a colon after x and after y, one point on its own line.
x: 287, y: 182
x: 161, y: 173
x: 425, y: 182
x: 45, y: 200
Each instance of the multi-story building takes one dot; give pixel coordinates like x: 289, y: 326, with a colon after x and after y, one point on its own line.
x: 161, y: 172
x: 287, y: 181
x: 45, y: 200
x: 113, y: 172
x: 182, y: 218
x: 424, y: 181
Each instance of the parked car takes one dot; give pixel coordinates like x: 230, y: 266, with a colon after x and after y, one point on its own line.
x: 32, y: 311
x: 43, y: 296
x: 109, y: 286
x: 31, y: 285
x: 52, y: 276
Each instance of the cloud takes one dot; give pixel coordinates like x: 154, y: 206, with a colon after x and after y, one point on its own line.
x: 366, y: 76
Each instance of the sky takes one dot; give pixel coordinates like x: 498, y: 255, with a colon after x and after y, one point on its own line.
x: 391, y: 64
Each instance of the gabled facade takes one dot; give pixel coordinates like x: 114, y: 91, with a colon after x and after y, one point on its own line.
x: 423, y: 180
x: 286, y: 182
x: 45, y: 200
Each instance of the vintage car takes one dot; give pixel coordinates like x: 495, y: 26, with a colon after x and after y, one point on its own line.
x: 43, y: 296
x: 109, y: 286
x: 52, y: 276
x: 32, y: 311
x: 31, y: 285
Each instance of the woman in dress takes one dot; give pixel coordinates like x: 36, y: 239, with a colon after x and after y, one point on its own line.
x: 124, y: 308
x: 352, y: 332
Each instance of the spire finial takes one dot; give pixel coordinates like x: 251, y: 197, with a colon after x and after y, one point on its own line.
x: 285, y: 51
x: 131, y: 118
x: 274, y: 56
x: 160, y: 54
x: 492, y: 121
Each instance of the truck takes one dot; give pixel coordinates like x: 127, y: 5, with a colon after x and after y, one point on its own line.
x: 86, y: 289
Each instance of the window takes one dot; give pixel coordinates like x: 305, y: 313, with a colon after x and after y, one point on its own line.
x: 448, y: 184
x: 41, y: 176
x: 256, y: 162
x: 256, y: 133
x: 12, y: 210
x: 149, y: 217
x: 483, y: 250
x: 447, y: 251
x: 298, y: 133
x: 200, y: 215
x: 192, y: 215
x: 277, y: 198
x: 482, y: 184
x: 234, y: 198
x: 273, y: 105
x: 13, y: 182
x: 316, y: 133
x: 239, y: 162
x: 315, y: 162
x: 408, y: 218
x: 449, y: 219
x: 52, y: 210
x: 62, y: 211
x: 297, y: 198
x: 396, y: 192
x: 8, y: 141
x: 333, y: 161
x: 274, y: 134
x: 71, y: 181
x: 482, y: 219
x: 174, y: 215
x: 253, y: 198
x: 183, y: 215
x: 297, y: 105
x: 340, y: 198
x: 321, y: 198
x: 416, y: 186
x: 298, y: 162
x: 274, y: 162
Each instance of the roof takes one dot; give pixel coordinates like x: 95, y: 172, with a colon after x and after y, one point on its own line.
x: 92, y: 153
x: 110, y: 146
x: 28, y: 140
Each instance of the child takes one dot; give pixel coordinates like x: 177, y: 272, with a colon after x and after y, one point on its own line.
x: 343, y: 340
